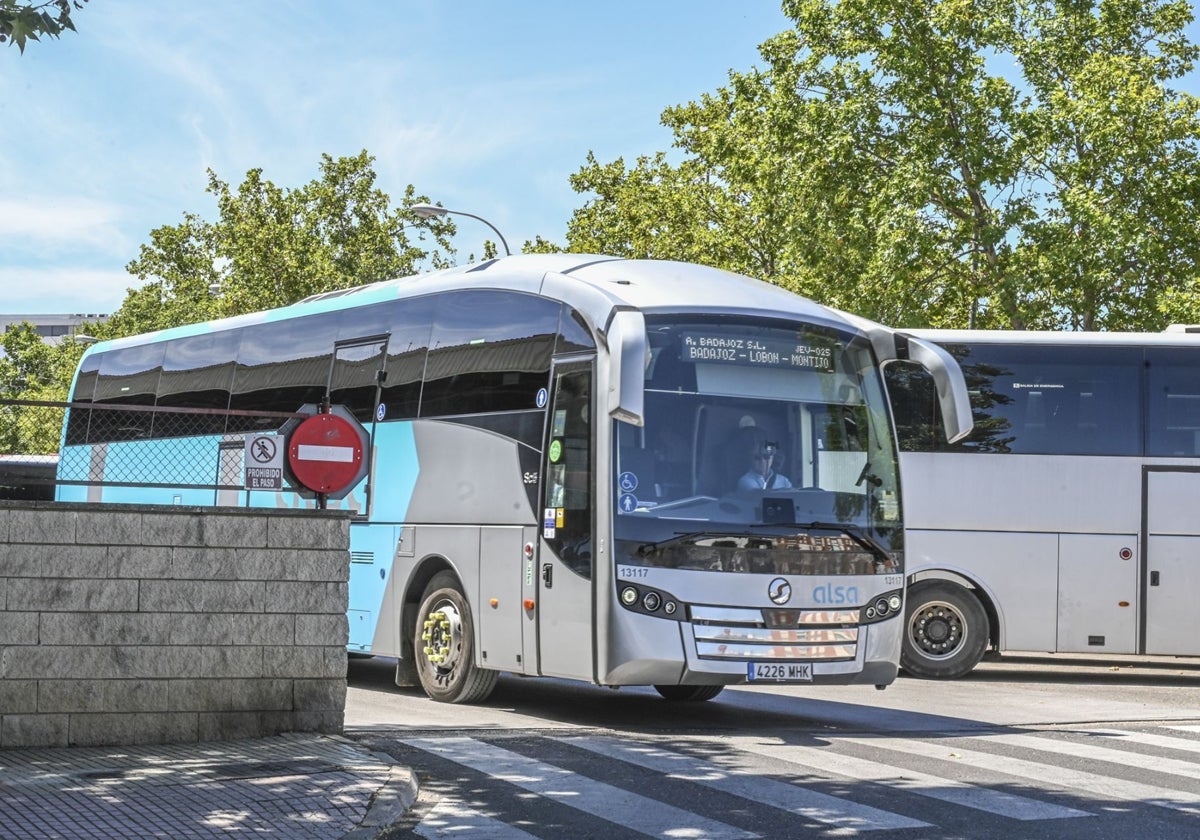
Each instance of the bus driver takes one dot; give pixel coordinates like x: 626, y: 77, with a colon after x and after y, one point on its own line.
x: 761, y: 474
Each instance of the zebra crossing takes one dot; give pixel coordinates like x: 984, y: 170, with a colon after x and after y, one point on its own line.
x: 840, y: 785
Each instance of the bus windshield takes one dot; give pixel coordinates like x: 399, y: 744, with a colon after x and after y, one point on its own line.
x: 766, y: 447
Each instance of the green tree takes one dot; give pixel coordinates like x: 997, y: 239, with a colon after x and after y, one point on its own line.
x: 272, y: 246
x: 25, y: 21
x: 269, y: 247
x: 31, y: 369
x: 988, y: 163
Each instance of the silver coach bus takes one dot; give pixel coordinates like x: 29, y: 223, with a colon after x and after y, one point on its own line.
x: 623, y: 472
x: 1066, y: 522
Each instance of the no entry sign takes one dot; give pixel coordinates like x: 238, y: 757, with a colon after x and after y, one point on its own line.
x: 325, y: 453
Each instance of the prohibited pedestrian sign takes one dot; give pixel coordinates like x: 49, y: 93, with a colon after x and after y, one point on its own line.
x: 264, y: 462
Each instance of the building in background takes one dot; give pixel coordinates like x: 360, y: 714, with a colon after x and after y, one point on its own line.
x: 52, y: 328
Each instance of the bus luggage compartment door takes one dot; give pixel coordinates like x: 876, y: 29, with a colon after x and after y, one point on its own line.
x: 501, y: 618
x: 1172, y: 555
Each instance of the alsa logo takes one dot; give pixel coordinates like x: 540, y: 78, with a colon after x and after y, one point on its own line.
x: 830, y: 594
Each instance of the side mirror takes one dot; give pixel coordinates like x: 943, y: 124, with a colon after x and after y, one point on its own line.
x: 628, y: 355
x: 953, y: 398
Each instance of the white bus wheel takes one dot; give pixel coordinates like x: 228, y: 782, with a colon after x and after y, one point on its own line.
x: 689, y: 693
x: 443, y: 646
x: 945, y: 631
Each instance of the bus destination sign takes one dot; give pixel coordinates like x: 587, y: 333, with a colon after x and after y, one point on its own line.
x: 724, y: 348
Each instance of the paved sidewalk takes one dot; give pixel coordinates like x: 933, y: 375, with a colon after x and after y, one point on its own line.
x: 302, y: 786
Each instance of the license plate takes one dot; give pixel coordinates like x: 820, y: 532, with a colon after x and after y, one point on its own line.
x: 779, y: 672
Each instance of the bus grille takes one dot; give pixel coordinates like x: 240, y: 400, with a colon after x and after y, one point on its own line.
x: 762, y: 634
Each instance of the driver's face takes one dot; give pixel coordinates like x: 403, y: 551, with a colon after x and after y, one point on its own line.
x: 761, y: 462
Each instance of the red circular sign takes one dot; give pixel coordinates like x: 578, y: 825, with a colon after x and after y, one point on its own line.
x: 325, y: 453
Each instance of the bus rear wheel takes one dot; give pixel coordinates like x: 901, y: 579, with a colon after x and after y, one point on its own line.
x: 945, y: 631
x: 444, y: 646
x: 689, y: 693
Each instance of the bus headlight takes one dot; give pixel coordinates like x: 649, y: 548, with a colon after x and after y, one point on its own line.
x: 885, y: 606
x: 652, y: 602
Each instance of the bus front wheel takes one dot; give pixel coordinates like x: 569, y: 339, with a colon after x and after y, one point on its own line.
x: 444, y: 646
x: 945, y: 631
x: 689, y: 693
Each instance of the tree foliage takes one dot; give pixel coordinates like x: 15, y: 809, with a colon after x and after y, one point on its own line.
x: 269, y: 246
x: 31, y: 369
x: 272, y: 246
x: 988, y: 163
x: 28, y: 21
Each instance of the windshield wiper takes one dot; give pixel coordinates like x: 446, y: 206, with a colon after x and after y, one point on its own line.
x: 852, y: 531
x: 680, y: 537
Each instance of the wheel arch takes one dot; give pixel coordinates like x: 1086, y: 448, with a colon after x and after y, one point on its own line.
x: 415, y: 589
x: 985, y: 598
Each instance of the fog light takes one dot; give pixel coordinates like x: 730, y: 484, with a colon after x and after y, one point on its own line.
x: 651, y: 601
x: 870, y: 612
x: 629, y: 596
x: 670, y: 607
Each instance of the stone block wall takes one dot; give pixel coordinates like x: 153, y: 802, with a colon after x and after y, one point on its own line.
x: 123, y: 624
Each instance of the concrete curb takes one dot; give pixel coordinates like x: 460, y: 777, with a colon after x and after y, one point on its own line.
x: 390, y: 803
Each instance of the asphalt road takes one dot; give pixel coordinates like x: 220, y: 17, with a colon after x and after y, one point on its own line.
x: 1029, y: 746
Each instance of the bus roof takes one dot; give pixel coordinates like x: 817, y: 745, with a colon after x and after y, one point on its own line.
x: 592, y: 284
x: 1169, y: 338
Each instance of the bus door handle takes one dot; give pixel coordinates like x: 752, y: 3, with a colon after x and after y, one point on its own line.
x: 548, y: 575
x: 1154, y: 578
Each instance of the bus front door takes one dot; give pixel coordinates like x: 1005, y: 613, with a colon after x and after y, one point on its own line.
x: 1171, y: 575
x: 565, y: 603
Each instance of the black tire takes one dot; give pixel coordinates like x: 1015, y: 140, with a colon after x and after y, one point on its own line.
x: 444, y: 646
x: 689, y: 693
x: 945, y: 631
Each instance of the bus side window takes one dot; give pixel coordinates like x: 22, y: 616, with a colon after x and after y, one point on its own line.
x: 282, y: 366
x: 914, y: 407
x: 490, y: 351
x: 358, y: 366
x: 128, y: 376
x: 1173, y: 403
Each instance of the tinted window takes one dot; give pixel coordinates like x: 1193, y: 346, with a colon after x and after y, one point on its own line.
x: 85, y: 389
x: 197, y: 373
x: 490, y: 351
x: 573, y: 334
x: 914, y: 407
x: 1173, y: 402
x: 1046, y: 400
x: 282, y: 366
x: 128, y: 376
x: 409, y: 322
x: 354, y: 381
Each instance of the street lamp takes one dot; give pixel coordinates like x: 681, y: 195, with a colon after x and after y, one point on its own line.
x: 428, y: 211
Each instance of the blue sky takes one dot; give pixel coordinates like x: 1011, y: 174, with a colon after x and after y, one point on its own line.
x: 486, y: 107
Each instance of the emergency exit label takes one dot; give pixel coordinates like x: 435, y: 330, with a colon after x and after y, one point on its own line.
x: 264, y: 462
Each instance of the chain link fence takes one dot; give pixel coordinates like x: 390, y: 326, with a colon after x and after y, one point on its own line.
x: 45, y: 444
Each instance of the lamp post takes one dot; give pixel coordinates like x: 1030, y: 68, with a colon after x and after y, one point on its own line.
x: 428, y: 211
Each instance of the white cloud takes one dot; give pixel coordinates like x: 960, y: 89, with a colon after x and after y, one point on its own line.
x: 65, y: 290
x: 36, y: 222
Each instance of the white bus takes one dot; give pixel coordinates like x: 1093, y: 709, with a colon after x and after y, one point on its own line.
x: 1067, y: 520
x: 557, y: 447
